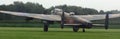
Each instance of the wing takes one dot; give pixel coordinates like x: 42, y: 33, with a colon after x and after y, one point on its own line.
x: 38, y: 16
x: 97, y: 17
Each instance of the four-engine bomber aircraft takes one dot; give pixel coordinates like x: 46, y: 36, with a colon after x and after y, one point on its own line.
x: 68, y: 19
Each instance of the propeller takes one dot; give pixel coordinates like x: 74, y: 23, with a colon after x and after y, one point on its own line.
x: 107, y: 21
x: 62, y: 19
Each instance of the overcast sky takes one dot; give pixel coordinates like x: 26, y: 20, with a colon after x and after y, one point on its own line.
x: 96, y: 4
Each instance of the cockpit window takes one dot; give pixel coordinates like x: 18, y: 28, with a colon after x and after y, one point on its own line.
x: 56, y: 10
x: 72, y: 13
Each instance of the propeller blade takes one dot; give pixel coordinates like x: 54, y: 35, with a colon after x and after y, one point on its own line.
x: 107, y: 21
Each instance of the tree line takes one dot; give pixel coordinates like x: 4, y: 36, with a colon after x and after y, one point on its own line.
x: 30, y: 7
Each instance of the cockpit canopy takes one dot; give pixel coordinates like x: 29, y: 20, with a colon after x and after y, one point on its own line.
x: 72, y: 13
x: 56, y: 10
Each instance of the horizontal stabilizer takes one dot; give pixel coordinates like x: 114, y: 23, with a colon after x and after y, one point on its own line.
x: 99, y: 25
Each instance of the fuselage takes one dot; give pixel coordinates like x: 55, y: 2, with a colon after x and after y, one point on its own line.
x: 70, y: 17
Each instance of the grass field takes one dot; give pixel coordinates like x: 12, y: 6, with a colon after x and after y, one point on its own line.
x: 57, y: 33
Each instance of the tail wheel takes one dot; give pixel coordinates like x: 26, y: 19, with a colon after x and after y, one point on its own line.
x: 76, y: 28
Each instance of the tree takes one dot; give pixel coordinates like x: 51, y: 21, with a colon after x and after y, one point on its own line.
x: 77, y: 10
x: 18, y: 6
x: 101, y: 12
x: 37, y: 8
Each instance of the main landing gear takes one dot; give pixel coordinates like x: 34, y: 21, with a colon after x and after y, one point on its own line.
x: 46, y: 24
x: 76, y: 28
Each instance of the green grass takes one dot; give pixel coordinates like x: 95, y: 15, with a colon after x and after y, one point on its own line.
x: 57, y: 33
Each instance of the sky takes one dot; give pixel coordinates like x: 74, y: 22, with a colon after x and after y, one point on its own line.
x: 105, y: 5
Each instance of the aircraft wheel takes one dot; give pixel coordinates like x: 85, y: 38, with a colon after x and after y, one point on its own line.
x: 75, y: 28
x: 45, y: 26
